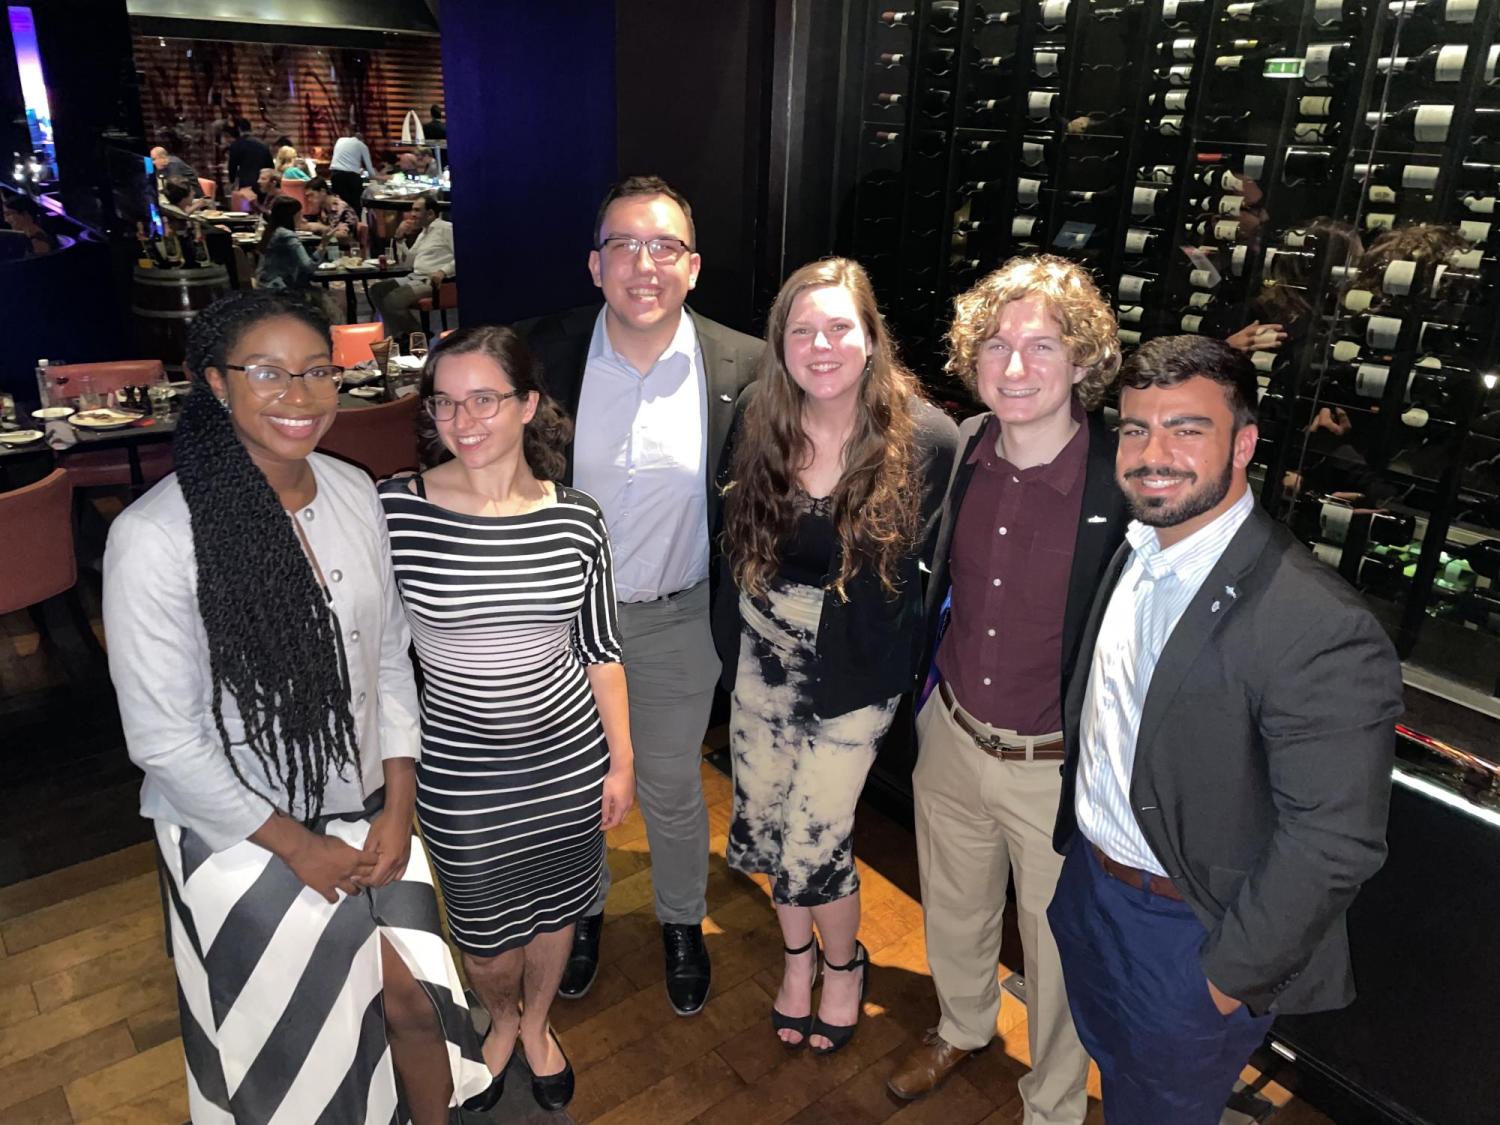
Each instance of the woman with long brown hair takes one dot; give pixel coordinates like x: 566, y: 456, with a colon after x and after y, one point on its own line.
x: 836, y: 469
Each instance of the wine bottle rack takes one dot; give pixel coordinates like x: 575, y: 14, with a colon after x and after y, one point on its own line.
x: 1328, y: 165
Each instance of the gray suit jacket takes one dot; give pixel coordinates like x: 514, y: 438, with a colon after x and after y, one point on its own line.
x: 1263, y: 764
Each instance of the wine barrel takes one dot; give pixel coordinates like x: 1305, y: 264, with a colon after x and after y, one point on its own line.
x: 163, y: 303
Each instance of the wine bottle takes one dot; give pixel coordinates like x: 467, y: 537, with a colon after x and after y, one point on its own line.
x: 939, y: 60
x: 1042, y: 104
x: 1433, y: 12
x: 1142, y: 242
x: 1180, y: 13
x: 886, y: 100
x: 1054, y: 13
x: 1245, y: 11
x: 898, y: 19
x: 1244, y: 56
x: 1169, y: 101
x: 1003, y: 19
x: 1149, y: 202
x: 1034, y: 151
x: 1325, y: 63
x: 1441, y: 62
x: 884, y: 137
x: 1025, y: 227
x: 1430, y: 122
x: 1116, y: 12
x: 1179, y: 74
x: 891, y: 59
x: 1450, y: 339
x: 1046, y: 62
x: 1184, y: 47
x: 982, y: 106
x: 943, y: 16
x: 984, y: 188
x: 1219, y: 229
x: 1335, y: 13
x: 1218, y: 179
x: 993, y: 62
x: 1312, y: 165
x: 1157, y: 173
x: 1315, y: 132
x: 1417, y: 177
x: 1136, y: 289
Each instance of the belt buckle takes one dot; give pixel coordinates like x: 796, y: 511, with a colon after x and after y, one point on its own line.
x: 990, y: 744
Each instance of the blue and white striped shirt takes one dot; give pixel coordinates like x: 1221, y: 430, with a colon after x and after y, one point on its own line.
x: 1154, y: 589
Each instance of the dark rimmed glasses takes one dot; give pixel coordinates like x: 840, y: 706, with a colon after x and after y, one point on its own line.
x: 480, y: 405
x: 268, y: 381
x: 660, y: 249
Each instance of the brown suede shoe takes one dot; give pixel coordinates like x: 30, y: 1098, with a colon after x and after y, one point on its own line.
x: 927, y: 1067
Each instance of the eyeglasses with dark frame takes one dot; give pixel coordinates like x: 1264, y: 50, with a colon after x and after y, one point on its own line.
x: 480, y: 405
x: 267, y: 380
x: 660, y: 249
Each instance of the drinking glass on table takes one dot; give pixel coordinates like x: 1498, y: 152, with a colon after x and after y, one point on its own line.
x: 163, y: 397
x: 417, y: 345
x: 7, y: 410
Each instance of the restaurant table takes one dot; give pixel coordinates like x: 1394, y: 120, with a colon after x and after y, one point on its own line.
x: 362, y: 274
x: 23, y: 464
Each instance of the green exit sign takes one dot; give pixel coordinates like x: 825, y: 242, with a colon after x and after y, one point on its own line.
x: 1282, y: 68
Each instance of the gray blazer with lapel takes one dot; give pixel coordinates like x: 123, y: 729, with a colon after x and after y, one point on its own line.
x: 1263, y: 764
x: 560, y: 344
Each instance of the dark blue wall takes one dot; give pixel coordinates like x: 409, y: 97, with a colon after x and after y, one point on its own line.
x: 530, y: 94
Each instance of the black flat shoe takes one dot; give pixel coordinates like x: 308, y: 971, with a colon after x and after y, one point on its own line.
x: 802, y: 1025
x: 838, y: 1035
x: 554, y: 1091
x: 583, y: 962
x: 688, y: 970
x: 488, y: 1098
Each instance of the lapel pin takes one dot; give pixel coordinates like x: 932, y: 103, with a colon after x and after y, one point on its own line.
x: 1214, y: 608
x: 1096, y: 519
x: 725, y: 398
x: 1231, y: 591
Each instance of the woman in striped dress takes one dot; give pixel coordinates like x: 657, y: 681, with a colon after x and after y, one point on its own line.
x: 259, y: 655
x: 508, y: 586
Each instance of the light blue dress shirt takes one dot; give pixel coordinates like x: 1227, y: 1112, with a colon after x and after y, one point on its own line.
x: 1154, y: 590
x: 641, y: 452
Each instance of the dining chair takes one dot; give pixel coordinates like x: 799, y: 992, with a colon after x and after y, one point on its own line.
x: 39, y: 568
x: 297, y: 189
x: 382, y: 439
x: 351, y: 342
x: 109, y: 468
x: 210, y: 187
x: 443, y: 297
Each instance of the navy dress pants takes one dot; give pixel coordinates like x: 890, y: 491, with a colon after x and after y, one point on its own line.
x: 1140, y: 999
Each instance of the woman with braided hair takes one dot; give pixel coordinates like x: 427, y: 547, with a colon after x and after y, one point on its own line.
x: 259, y: 652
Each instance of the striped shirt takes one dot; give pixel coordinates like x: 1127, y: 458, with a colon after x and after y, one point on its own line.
x: 1148, y: 601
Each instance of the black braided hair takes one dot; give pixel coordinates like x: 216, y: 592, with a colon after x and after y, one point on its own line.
x: 273, y: 641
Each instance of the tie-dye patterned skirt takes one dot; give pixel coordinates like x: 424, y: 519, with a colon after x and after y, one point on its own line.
x: 797, y: 777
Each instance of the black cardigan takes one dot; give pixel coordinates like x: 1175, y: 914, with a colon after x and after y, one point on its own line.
x: 868, y: 648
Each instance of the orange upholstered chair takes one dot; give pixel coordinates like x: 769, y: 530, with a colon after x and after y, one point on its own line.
x: 379, y: 439
x: 351, y: 342
x: 210, y: 188
x: 38, y: 562
x: 446, y: 298
x: 297, y: 189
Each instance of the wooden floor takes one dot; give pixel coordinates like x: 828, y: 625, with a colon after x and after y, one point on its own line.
x: 88, y: 1020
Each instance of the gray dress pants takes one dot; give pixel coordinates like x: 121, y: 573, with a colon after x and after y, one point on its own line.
x: 671, y: 668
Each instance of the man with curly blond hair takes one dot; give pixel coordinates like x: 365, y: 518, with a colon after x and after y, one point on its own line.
x: 1031, y: 520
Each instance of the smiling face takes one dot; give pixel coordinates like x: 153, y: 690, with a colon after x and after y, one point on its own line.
x: 1024, y: 372
x: 825, y: 345
x: 643, y: 295
x: 474, y: 382
x: 1181, y: 463
x: 282, y: 430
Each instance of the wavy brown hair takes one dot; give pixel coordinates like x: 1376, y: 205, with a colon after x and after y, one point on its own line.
x: 545, y: 437
x: 1083, y: 316
x: 876, y: 504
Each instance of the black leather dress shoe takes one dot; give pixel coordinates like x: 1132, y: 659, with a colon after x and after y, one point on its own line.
x: 583, y: 962
x: 688, y: 969
x: 554, y: 1091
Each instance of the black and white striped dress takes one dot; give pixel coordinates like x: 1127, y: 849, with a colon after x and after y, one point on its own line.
x: 505, y: 612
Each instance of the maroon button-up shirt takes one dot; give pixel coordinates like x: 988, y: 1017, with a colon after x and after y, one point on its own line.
x: 1009, y: 562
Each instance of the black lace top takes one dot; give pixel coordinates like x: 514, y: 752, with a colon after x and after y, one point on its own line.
x: 810, y: 548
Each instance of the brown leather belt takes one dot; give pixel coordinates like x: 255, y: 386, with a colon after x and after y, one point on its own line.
x: 1135, y: 877
x: 1053, y: 751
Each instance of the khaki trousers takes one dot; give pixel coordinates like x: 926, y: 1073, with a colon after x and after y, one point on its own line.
x: 978, y: 820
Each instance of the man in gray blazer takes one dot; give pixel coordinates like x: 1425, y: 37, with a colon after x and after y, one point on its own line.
x: 1228, y: 763
x: 651, y: 386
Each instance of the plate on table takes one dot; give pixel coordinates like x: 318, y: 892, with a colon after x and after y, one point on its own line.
x: 105, y: 419
x: 48, y: 413
x: 20, y: 437
x: 410, y: 362
x: 365, y: 392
